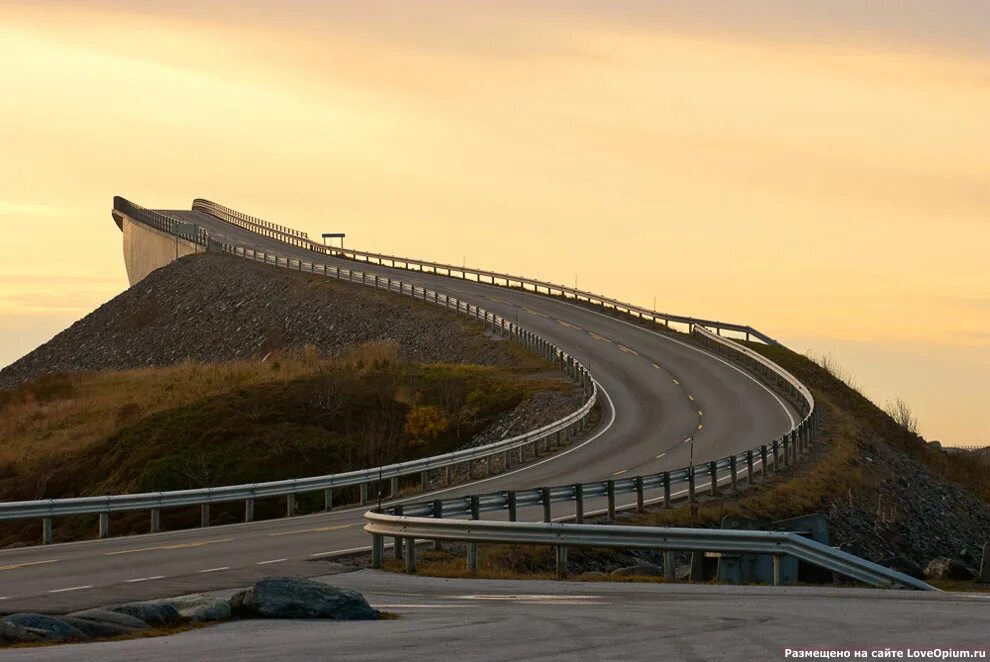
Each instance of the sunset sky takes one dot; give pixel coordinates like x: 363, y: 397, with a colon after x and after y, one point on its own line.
x: 819, y: 169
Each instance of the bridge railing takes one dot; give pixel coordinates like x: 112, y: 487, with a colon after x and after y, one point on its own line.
x: 160, y: 221
x: 505, y: 451
x: 234, y: 217
x: 563, y: 536
x: 499, y: 279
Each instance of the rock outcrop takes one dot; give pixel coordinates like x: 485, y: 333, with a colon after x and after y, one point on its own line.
x: 291, y: 597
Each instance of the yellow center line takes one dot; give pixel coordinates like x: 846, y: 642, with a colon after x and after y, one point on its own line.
x: 620, y: 472
x: 15, y: 566
x: 628, y: 351
x: 167, y: 547
x: 568, y: 325
x: 320, y: 529
x: 534, y: 312
x: 598, y: 337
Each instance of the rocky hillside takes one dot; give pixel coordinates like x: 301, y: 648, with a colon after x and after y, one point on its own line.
x: 212, y: 308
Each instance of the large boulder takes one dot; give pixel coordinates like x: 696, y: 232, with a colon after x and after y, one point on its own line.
x: 290, y: 597
x: 11, y: 633
x: 156, y: 614
x: 201, y: 608
x: 106, y: 616
x: 945, y: 568
x: 643, y: 570
x: 50, y: 628
x: 101, y: 629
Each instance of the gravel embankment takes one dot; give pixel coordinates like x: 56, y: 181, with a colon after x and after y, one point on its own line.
x: 211, y: 308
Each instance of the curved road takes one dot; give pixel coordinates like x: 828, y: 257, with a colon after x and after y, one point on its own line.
x: 658, y: 392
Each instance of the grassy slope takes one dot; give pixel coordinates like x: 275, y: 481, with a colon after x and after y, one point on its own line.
x: 196, y: 425
x: 842, y: 468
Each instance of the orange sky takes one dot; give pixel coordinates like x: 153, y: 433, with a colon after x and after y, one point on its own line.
x: 824, y: 180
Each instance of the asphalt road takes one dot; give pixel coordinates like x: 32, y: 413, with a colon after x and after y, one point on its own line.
x: 524, y: 620
x: 658, y: 392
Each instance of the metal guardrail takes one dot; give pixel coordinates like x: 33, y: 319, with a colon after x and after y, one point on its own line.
x: 552, y: 289
x: 554, y: 433
x: 562, y: 536
x: 159, y: 221
x: 281, y: 232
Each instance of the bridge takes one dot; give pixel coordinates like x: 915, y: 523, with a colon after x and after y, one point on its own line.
x: 665, y: 402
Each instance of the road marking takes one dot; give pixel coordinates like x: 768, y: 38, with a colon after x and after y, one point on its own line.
x: 628, y: 351
x: 342, y: 551
x: 71, y: 588
x: 317, y: 530
x: 226, y: 567
x: 676, y: 382
x: 535, y: 312
x: 701, y: 413
x: 4, y: 597
x: 620, y: 472
x: 568, y: 325
x: 26, y: 564
x: 657, y: 366
x: 598, y: 337
x: 691, y: 398
x: 526, y: 598
x: 272, y: 561
x: 167, y: 547
x: 689, y: 440
x: 701, y: 426
x: 145, y: 579
x: 414, y: 606
x: 660, y: 455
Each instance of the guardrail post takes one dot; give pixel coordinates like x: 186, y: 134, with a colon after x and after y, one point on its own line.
x: 776, y: 457
x: 669, y: 571
x: 397, y: 545
x: 764, y: 461
x: 778, y: 570
x: 475, y: 507
x: 156, y: 520
x: 364, y: 493
x: 579, y: 503
x: 377, y: 551
x: 46, y: 530
x: 438, y: 513
x: 249, y: 510
x: 666, y: 490
x: 640, y: 497
x: 787, y: 449
x: 394, y: 488
x: 204, y: 515
x: 411, y: 556
x: 510, y: 498
x: 749, y: 467
x: 104, y: 525
x: 290, y: 505
x: 424, y: 479
x: 449, y: 473
x: 610, y: 492
x: 328, y: 499
x: 472, y: 558
x: 713, y: 473
x: 733, y: 473
x: 545, y: 500
x: 561, y: 562
x: 691, y: 485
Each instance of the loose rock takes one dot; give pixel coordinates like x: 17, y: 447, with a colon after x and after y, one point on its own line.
x: 51, y: 628
x: 289, y: 597
x: 11, y: 633
x: 153, y: 613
